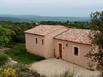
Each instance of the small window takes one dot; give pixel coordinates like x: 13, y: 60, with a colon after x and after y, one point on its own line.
x: 76, y: 51
x: 36, y: 40
x: 66, y: 44
x: 42, y: 41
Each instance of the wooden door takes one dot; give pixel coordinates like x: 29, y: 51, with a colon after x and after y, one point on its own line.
x: 60, y: 50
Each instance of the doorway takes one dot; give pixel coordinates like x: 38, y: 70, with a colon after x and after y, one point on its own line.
x: 60, y: 50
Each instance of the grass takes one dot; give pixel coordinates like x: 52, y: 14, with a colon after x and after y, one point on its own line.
x: 65, y: 74
x: 3, y: 59
x: 19, y: 54
x: 68, y: 74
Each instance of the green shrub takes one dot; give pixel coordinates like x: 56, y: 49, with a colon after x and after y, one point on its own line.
x: 3, y: 59
x: 19, y: 53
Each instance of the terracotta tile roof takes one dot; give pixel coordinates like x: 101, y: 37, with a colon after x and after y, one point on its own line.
x: 45, y: 29
x: 75, y: 35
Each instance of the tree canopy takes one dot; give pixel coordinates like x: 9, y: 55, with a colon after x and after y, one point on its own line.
x: 97, y: 38
x: 5, y: 35
x: 13, y: 32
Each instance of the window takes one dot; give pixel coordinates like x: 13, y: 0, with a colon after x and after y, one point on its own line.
x: 66, y: 44
x: 76, y: 51
x: 36, y: 40
x: 42, y: 41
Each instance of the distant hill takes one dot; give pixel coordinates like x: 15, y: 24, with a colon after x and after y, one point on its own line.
x: 29, y: 18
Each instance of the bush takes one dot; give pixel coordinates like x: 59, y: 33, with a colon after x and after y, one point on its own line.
x: 3, y: 59
x: 19, y: 53
x: 8, y: 72
x: 18, y: 70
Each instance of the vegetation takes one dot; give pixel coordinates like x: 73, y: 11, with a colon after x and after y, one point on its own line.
x: 6, y: 35
x: 83, y: 25
x: 18, y: 70
x: 3, y: 59
x: 19, y: 53
x: 97, y: 38
x: 8, y: 72
x: 11, y: 33
x: 66, y: 74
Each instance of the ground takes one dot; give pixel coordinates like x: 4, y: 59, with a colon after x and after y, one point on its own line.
x: 52, y: 67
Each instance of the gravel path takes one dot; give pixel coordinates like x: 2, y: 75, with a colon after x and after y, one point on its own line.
x: 52, y: 67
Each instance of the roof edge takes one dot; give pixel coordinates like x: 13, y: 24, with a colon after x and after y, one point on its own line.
x: 72, y: 41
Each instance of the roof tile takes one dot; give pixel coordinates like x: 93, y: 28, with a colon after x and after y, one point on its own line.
x: 75, y: 35
x: 45, y: 29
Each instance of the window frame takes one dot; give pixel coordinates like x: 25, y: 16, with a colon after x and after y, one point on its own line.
x: 76, y: 51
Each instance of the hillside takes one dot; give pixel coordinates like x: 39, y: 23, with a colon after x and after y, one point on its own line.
x: 29, y: 18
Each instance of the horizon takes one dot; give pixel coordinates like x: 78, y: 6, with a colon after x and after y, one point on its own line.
x: 52, y: 8
x: 38, y: 15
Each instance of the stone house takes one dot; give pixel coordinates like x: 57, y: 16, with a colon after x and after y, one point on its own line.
x: 55, y: 41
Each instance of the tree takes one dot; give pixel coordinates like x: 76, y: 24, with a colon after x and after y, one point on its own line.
x: 97, y: 38
x: 5, y: 35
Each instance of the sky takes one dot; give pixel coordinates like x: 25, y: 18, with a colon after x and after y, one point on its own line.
x: 70, y: 8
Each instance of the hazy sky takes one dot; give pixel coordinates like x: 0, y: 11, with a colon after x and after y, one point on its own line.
x: 77, y: 8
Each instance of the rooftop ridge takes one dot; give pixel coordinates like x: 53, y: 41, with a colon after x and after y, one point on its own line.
x: 45, y: 29
x: 57, y: 29
x: 61, y: 33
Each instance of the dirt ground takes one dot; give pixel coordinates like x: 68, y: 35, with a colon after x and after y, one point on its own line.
x: 52, y: 67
